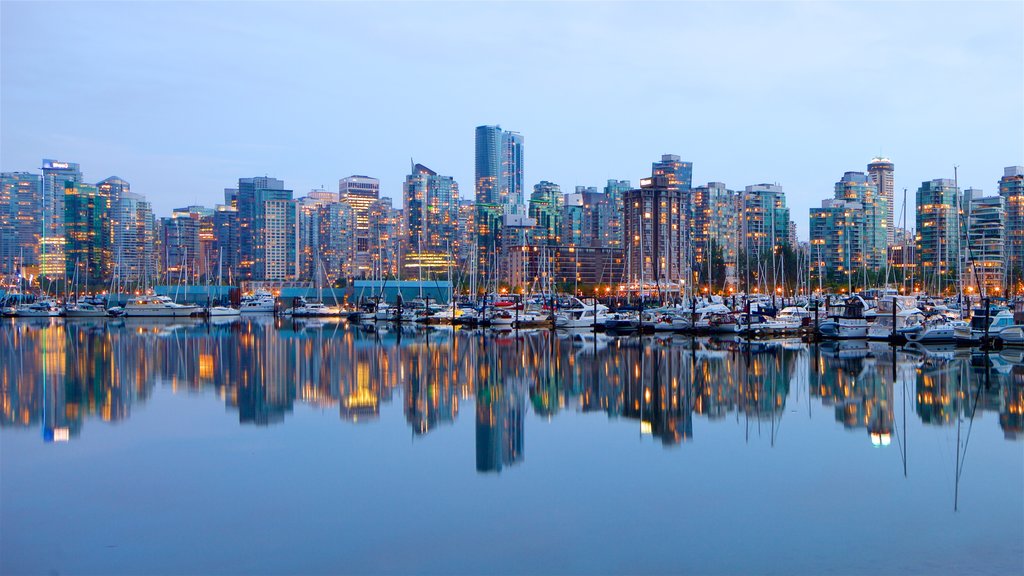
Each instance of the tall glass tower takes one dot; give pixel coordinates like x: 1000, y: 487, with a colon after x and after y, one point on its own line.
x: 499, y: 190
x: 880, y: 170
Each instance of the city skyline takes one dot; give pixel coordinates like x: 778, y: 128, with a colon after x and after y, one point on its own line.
x: 335, y: 114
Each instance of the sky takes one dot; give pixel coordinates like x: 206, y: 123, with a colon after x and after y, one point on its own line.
x: 183, y: 98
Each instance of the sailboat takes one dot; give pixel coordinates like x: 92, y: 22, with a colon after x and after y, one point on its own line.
x: 80, y: 307
x: 221, y: 311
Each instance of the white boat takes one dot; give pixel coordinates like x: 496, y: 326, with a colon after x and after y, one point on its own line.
x: 664, y: 320
x: 935, y: 331
x: 581, y: 315
x: 975, y: 331
x: 907, y: 316
x: 37, y: 309
x: 158, y: 306
x: 260, y: 302
x: 83, y: 309
x: 1012, y: 336
x: 314, y: 310
x: 622, y: 322
x: 220, y: 311
x: 851, y: 324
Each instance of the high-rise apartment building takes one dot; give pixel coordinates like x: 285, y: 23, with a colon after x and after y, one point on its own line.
x: 572, y: 220
x: 1011, y: 188
x: 431, y: 220
x: 837, y: 242
x: 615, y: 189
x: 714, y: 235
x: 20, y: 221
x: 983, y: 254
x: 187, y: 237
x: 134, y: 237
x: 764, y: 230
x: 881, y: 172
x: 937, y: 234
x: 546, y: 204
x: 872, y: 236
x: 654, y: 231
x: 679, y: 174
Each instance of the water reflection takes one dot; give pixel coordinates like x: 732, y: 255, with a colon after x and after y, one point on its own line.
x: 57, y: 374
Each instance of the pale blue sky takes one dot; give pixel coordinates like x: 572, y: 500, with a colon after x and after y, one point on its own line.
x: 182, y: 99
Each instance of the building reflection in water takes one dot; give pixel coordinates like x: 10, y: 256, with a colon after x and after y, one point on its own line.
x: 56, y: 374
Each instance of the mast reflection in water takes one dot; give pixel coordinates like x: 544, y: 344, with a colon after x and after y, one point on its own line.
x: 59, y: 374
x: 907, y: 457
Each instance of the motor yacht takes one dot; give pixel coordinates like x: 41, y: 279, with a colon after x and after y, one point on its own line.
x: 262, y: 301
x: 158, y: 306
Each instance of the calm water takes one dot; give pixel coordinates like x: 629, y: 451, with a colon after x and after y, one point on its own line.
x: 267, y: 446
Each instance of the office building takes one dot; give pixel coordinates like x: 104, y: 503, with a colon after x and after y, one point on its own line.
x: 309, y: 232
x: 431, y: 221
x: 57, y: 175
x: 268, y: 230
x: 498, y: 190
x: 87, y: 246
x: 226, y: 243
x: 361, y: 192
x: 20, y: 222
x: 336, y: 236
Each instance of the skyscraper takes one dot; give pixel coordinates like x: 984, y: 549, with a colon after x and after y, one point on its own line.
x: 310, y: 263
x: 881, y: 171
x: 134, y: 236
x: 432, y: 220
x: 337, y: 240
x: 872, y: 236
x: 679, y: 174
x: 361, y: 192
x: 499, y: 190
x: 268, y: 225
x: 615, y: 189
x: 764, y: 229
x: 714, y: 229
x: 20, y: 221
x: 511, y: 184
x: 56, y: 176
x: 985, y: 266
x: 546, y: 208
x: 87, y: 235
x: 1011, y: 188
x: 937, y: 234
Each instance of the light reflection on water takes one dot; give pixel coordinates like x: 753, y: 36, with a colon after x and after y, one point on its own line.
x: 61, y: 377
